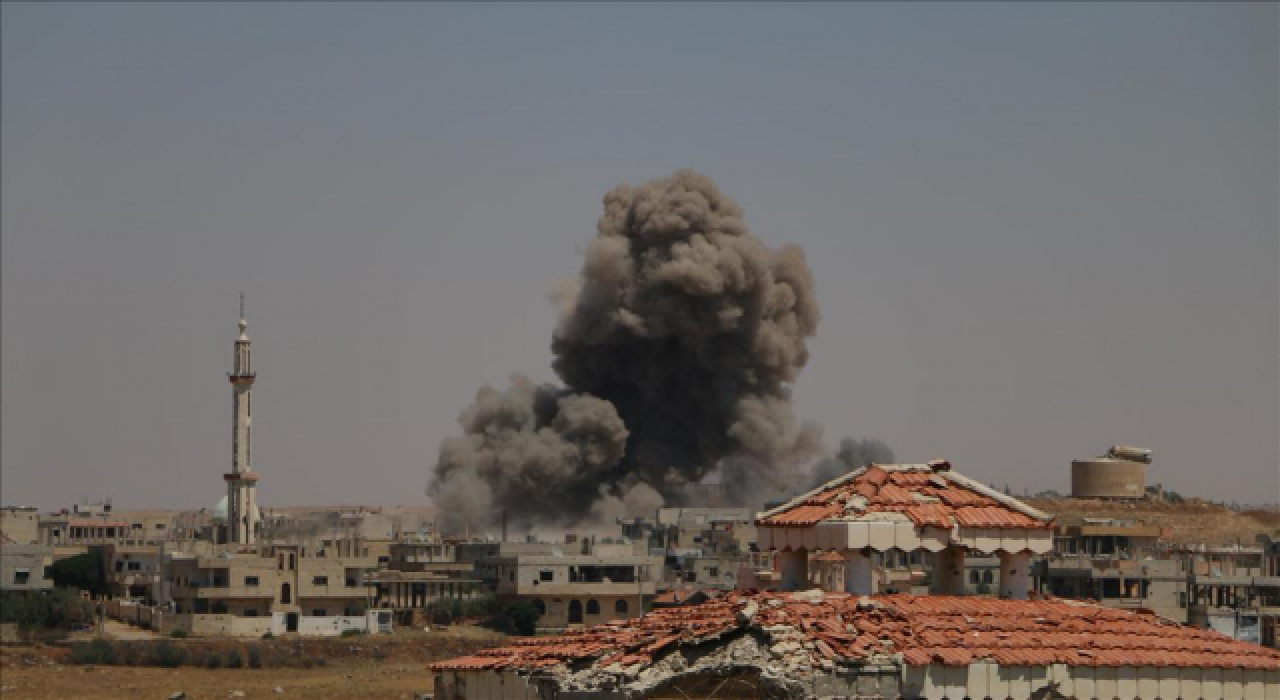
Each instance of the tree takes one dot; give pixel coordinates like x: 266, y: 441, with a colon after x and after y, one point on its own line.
x: 524, y: 618
x: 83, y: 572
x: 56, y: 609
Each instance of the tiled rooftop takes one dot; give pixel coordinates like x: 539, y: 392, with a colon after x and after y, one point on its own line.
x: 809, y: 630
x: 682, y: 597
x: 929, y: 495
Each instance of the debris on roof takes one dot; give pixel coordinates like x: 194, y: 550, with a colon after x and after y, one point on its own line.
x: 785, y: 634
x: 929, y: 495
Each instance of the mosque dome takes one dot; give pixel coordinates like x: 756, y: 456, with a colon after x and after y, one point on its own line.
x: 220, y: 512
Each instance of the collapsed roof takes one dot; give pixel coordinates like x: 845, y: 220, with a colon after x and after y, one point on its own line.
x: 786, y: 635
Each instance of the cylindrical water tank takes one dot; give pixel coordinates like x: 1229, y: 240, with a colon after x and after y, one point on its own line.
x: 1105, y: 477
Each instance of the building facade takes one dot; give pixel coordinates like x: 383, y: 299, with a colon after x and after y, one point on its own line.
x: 278, y: 588
x: 25, y: 567
x: 580, y: 583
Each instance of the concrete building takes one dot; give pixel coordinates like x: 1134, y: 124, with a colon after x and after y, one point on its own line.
x: 1119, y: 563
x: 241, y: 514
x: 580, y: 583
x: 422, y: 570
x: 1119, y: 474
x: 1236, y: 591
x: 1269, y: 599
x: 1158, y: 585
x: 276, y: 588
x: 72, y: 530
x: 21, y: 524
x: 133, y: 570
x: 24, y: 567
x: 1124, y: 564
x: 702, y: 548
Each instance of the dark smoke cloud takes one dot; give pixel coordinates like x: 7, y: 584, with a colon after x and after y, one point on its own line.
x: 852, y: 454
x: 678, y: 344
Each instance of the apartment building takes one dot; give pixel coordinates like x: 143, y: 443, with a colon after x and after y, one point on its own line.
x: 132, y: 571
x: 20, y: 524
x: 277, y: 588
x: 1236, y: 590
x: 421, y: 570
x: 1119, y: 563
x: 24, y: 567
x: 73, y: 530
x: 578, y: 583
x: 701, y: 548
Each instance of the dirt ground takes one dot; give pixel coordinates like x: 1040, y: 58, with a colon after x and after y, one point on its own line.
x: 364, y: 667
x: 1192, y: 522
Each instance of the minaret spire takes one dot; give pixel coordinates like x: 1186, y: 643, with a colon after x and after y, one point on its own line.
x: 242, y: 510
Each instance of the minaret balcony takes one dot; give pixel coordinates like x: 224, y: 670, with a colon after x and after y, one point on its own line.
x: 242, y: 377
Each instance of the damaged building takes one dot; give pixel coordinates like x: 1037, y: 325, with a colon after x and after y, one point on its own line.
x: 813, y: 644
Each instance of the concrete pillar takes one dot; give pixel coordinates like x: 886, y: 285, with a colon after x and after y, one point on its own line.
x: 795, y: 569
x: 948, y: 576
x: 857, y: 573
x: 1015, y: 569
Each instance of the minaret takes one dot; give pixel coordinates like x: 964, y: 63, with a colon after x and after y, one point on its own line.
x: 242, y: 482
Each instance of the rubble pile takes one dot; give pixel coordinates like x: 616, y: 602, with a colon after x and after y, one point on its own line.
x: 788, y: 637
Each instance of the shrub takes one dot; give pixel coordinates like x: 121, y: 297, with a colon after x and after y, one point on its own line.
x: 268, y: 635
x: 439, y: 614
x: 255, y: 656
x: 130, y: 654
x: 523, y: 617
x: 488, y: 607
x: 98, y: 651
x: 56, y: 609
x: 352, y: 632
x: 179, y: 634
x: 213, y: 660
x: 81, y: 572
x: 234, y: 660
x: 313, y: 661
x: 167, y: 655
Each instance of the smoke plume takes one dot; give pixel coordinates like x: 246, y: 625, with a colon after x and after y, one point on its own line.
x: 852, y: 454
x: 677, y: 345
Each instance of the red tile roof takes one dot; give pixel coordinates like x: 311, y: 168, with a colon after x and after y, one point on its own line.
x: 928, y: 494
x: 925, y: 630
x: 680, y: 597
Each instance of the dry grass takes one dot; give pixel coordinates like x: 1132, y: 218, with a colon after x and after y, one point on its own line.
x: 1192, y: 522
x: 356, y: 667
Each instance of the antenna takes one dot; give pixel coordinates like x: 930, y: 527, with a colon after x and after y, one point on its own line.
x: 241, y: 304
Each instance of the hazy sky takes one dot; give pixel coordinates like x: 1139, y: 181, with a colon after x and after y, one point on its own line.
x: 1037, y: 230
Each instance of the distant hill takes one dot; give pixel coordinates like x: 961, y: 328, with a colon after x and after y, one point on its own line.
x: 1190, y: 522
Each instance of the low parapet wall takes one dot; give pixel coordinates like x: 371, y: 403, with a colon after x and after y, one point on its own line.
x: 226, y: 625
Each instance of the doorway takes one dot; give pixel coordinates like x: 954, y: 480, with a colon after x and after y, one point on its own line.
x: 575, y: 612
x: 291, y: 621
